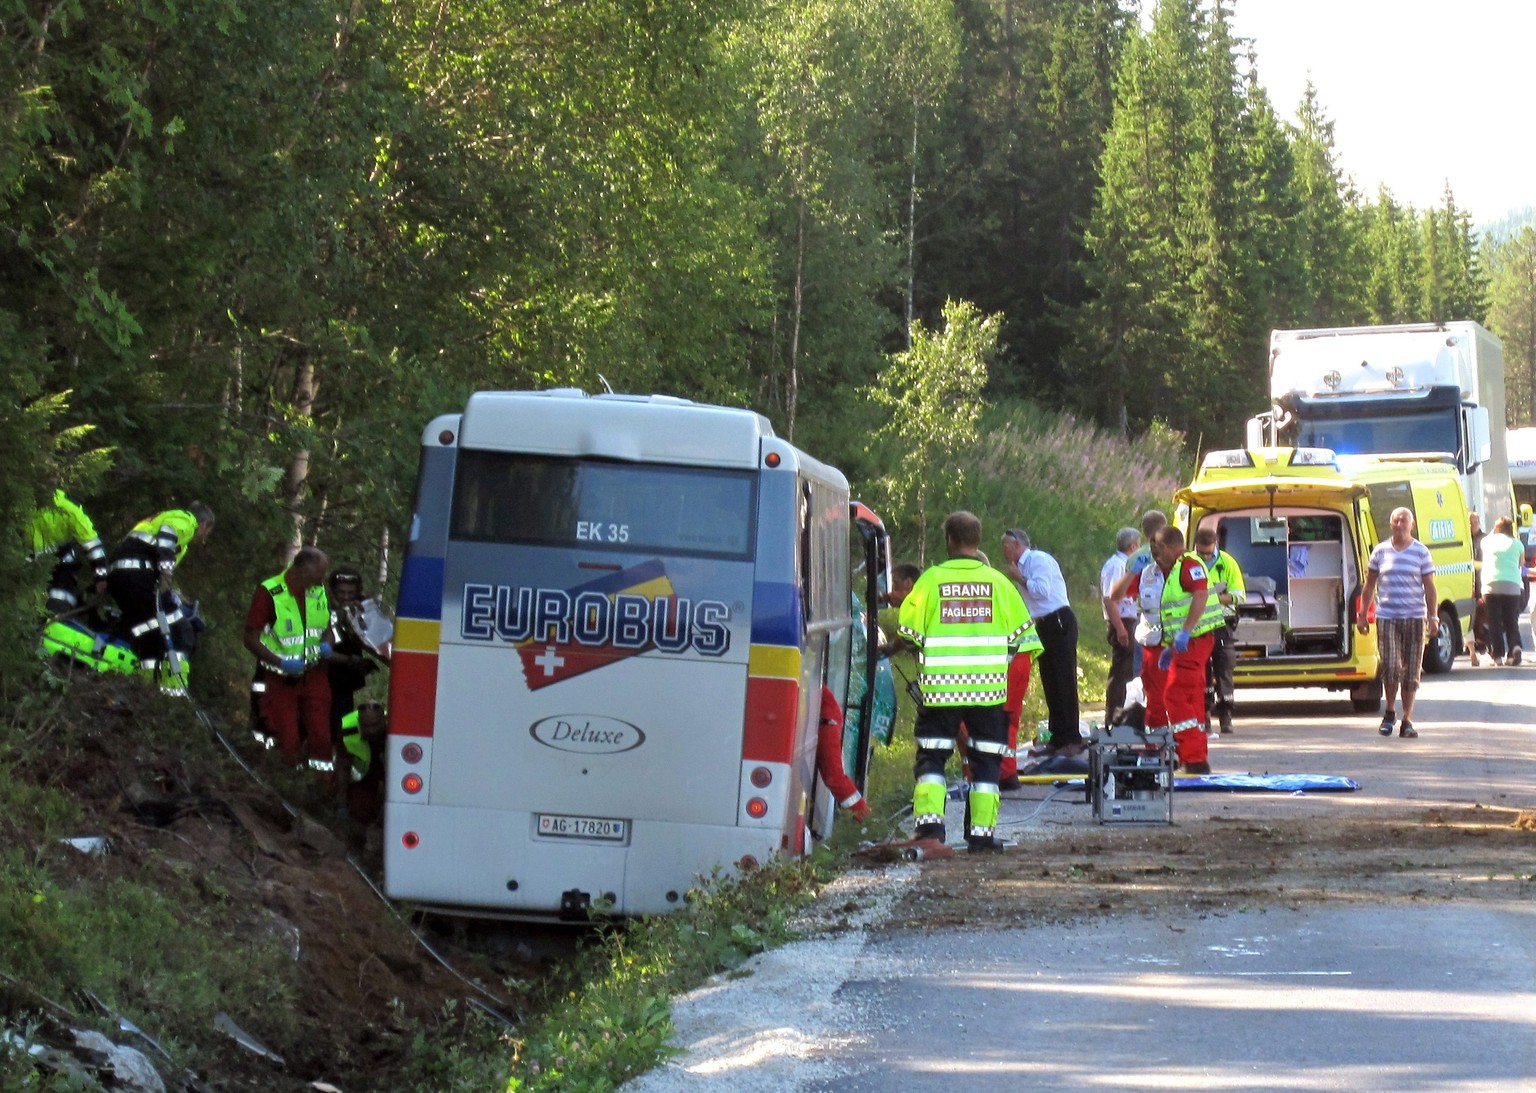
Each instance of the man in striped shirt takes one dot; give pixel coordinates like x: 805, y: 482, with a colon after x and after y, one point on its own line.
x: 967, y: 620
x: 1406, y: 616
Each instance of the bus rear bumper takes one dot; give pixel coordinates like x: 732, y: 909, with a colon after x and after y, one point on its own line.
x: 494, y: 862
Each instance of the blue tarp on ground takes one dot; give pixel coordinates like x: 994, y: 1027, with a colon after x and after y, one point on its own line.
x: 1268, y: 783
x: 1075, y: 769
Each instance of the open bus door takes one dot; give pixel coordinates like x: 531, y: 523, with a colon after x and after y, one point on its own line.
x: 870, y: 706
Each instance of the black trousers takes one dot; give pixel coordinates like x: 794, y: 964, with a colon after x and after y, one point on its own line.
x: 1124, y: 661
x: 1503, y: 623
x: 1056, y: 668
x: 137, y: 592
x: 1219, y: 698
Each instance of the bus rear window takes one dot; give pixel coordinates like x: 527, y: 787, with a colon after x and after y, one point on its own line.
x: 507, y: 497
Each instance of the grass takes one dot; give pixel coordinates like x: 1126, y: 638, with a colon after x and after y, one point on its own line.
x: 614, y: 1021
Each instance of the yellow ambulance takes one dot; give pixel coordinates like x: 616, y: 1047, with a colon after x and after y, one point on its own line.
x: 1301, y: 522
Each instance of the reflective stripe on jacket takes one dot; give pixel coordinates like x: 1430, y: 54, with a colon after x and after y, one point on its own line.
x: 295, y: 632
x: 59, y: 527
x: 1223, y: 569
x: 166, y: 534
x: 1177, y: 602
x: 357, y: 747
x: 966, y: 618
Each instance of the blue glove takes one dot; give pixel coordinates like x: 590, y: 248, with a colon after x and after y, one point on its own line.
x: 1181, y: 642
x: 293, y: 666
x: 326, y: 650
x: 1165, y: 658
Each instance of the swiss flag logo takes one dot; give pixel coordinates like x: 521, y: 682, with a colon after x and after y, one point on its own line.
x: 547, y: 661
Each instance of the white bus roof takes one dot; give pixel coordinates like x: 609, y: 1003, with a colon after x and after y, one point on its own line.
x: 637, y: 428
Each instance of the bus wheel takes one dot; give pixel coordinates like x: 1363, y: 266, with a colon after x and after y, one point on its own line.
x: 1366, y: 698
x: 1440, y: 652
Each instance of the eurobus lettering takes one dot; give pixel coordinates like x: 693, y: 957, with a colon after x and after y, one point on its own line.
x: 669, y: 623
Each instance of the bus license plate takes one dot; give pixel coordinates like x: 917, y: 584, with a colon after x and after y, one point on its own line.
x: 581, y: 827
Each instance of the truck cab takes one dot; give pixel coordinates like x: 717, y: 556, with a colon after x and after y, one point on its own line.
x: 1421, y: 389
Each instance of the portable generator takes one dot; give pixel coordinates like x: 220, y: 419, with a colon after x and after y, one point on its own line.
x: 1130, y: 774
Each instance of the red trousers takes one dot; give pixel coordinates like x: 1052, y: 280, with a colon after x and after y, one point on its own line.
x: 297, y: 712
x: 1177, y: 697
x: 1018, y: 686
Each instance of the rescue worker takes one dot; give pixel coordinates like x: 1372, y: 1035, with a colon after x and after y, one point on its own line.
x: 1226, y: 585
x: 900, y: 652
x: 1143, y: 584
x: 829, y: 758
x: 1018, y: 688
x: 1152, y: 522
x: 349, y: 665
x: 62, y: 530
x: 1119, y: 621
x: 1190, y: 616
x: 966, y: 619
x: 140, y: 579
x: 287, y: 630
x: 360, y: 761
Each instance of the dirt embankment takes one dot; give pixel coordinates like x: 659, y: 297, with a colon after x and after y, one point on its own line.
x: 1212, y: 865
x: 180, y: 816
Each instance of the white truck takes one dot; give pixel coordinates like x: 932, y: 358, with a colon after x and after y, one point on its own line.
x: 1434, y: 390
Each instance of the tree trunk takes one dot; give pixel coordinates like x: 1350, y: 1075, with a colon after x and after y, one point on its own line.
x: 305, y: 387
x: 792, y: 394
x: 912, y: 228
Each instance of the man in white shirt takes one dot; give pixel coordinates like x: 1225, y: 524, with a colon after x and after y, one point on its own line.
x: 1120, y: 623
x: 1039, y: 580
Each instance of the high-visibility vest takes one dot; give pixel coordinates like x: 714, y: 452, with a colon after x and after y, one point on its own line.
x: 360, y: 750
x: 61, y: 527
x: 295, y: 632
x: 966, y: 618
x: 169, y: 532
x: 1177, y: 602
x: 1224, y: 569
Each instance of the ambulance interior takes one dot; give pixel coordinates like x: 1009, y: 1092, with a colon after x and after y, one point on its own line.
x: 1300, y: 569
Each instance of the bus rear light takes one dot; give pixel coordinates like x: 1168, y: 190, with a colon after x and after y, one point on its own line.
x: 411, y: 783
x: 762, y: 777
x: 445, y: 437
x: 757, y: 808
x: 771, y: 459
x: 411, y: 753
x: 747, y: 863
x: 410, y: 840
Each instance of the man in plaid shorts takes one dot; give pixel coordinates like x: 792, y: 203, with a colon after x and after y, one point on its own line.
x: 1403, y: 571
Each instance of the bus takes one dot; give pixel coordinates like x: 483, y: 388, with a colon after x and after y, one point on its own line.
x: 615, y: 617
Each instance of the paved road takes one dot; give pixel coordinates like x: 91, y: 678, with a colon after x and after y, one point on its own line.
x: 1439, y: 997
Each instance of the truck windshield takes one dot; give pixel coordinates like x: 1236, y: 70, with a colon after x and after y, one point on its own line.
x: 1432, y: 431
